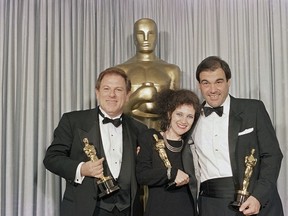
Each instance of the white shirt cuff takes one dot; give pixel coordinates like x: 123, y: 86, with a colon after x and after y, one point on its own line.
x: 78, y: 178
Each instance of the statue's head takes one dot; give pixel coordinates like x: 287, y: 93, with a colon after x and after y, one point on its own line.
x: 145, y: 35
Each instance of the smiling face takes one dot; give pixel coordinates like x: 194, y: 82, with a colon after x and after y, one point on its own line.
x: 214, y: 86
x: 182, y: 119
x: 145, y: 35
x: 112, y: 94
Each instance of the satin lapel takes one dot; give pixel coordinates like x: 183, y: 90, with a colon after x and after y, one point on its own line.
x: 128, y: 152
x: 235, y: 122
x: 187, y: 158
x: 91, y: 131
x: 188, y: 165
x: 127, y: 148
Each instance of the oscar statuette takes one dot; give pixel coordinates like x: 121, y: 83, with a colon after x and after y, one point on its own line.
x: 160, y: 147
x: 243, y: 194
x: 106, y: 184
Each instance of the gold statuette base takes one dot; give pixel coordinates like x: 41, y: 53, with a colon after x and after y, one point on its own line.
x: 241, y: 197
x: 107, y: 186
x: 170, y: 186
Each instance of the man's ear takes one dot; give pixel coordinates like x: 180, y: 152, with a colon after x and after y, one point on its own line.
x: 229, y: 82
x: 97, y: 93
x: 128, y: 96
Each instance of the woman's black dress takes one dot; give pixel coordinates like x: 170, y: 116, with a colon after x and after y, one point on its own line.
x: 151, y: 171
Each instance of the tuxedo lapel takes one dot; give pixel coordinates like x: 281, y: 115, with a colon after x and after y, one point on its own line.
x: 189, y: 166
x: 129, y: 153
x: 127, y: 148
x: 187, y: 159
x: 235, y: 122
x: 91, y: 131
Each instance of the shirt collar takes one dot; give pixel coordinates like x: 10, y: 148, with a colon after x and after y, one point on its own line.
x: 106, y: 115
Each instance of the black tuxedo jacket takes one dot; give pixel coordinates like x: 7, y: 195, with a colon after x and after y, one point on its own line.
x: 66, y: 152
x: 250, y: 127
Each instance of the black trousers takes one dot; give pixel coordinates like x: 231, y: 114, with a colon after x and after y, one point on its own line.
x: 114, y: 212
x: 209, y: 206
x: 215, y: 197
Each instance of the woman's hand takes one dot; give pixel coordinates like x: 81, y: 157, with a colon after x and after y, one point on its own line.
x: 181, y: 178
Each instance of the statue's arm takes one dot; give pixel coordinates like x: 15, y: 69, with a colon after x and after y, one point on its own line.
x: 175, y: 74
x: 143, y: 94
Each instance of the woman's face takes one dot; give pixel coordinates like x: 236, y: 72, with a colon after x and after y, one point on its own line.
x: 182, y: 119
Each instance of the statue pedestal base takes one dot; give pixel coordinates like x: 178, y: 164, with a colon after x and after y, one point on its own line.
x: 241, y: 197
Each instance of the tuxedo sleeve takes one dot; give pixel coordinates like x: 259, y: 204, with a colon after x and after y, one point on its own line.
x: 58, y: 158
x: 270, y: 156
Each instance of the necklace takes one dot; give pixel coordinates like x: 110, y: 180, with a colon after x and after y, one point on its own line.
x: 172, y: 148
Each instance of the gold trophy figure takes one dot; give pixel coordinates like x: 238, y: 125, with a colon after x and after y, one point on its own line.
x: 160, y: 147
x: 243, y: 194
x: 106, y: 184
x: 148, y: 74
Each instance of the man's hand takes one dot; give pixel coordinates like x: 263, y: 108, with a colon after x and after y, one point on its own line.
x: 93, y: 169
x: 250, y: 207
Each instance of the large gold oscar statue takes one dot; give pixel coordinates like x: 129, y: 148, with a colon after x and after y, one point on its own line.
x: 148, y: 73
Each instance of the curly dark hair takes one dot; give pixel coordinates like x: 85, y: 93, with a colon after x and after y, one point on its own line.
x: 168, y: 100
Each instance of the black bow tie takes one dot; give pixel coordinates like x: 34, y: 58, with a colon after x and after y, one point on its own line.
x: 116, y: 122
x: 209, y: 110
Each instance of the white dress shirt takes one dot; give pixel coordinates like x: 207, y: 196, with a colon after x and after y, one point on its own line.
x: 112, y: 144
x: 211, y: 140
x: 112, y: 140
